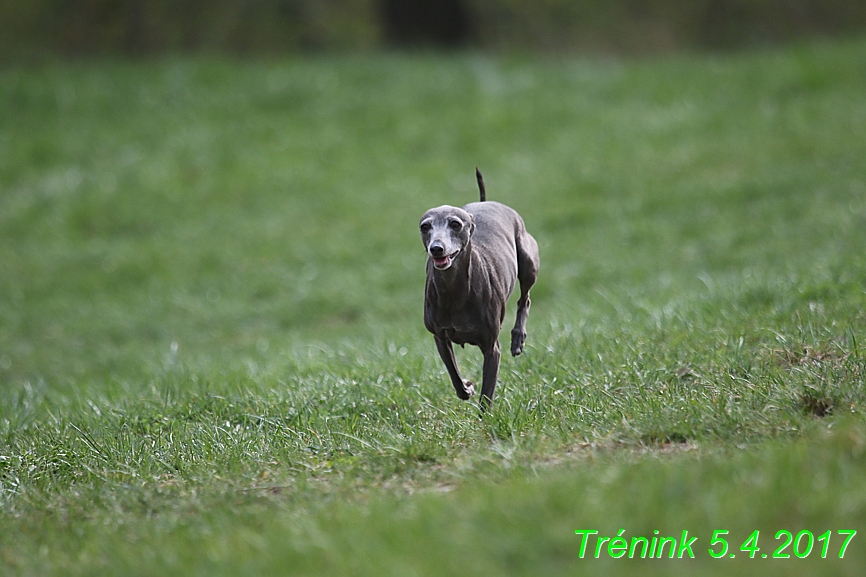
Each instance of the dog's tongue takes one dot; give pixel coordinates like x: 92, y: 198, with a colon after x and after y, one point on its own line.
x: 441, y: 261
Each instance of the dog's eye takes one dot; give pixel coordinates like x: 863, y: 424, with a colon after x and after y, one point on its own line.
x: 425, y: 227
x: 455, y: 225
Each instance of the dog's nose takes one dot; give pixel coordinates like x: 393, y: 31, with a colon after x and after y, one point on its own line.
x: 437, y: 249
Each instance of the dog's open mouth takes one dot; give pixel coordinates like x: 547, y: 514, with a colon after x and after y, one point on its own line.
x: 441, y: 263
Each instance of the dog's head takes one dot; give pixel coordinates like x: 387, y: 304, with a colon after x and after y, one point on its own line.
x: 445, y: 232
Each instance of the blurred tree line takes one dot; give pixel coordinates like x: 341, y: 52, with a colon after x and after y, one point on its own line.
x: 140, y: 27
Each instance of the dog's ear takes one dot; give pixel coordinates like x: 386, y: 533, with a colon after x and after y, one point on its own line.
x: 471, y: 225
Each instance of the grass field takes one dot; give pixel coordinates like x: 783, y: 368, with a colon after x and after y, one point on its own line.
x: 212, y: 356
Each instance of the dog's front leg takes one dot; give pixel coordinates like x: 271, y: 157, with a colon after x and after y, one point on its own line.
x: 490, y: 373
x: 465, y: 389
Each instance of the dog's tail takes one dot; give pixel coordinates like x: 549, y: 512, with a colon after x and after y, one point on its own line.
x: 480, y: 180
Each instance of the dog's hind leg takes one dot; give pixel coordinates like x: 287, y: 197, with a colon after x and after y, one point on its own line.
x: 464, y: 389
x: 527, y: 273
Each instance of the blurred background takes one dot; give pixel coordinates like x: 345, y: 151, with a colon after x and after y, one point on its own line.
x: 199, y: 178
x: 145, y: 27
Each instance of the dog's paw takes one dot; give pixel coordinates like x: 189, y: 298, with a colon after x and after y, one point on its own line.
x: 468, y: 390
x: 518, y: 339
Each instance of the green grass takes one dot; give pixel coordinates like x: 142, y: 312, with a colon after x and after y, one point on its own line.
x: 212, y: 357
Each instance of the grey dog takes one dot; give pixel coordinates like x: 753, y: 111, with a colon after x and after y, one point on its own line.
x: 475, y: 256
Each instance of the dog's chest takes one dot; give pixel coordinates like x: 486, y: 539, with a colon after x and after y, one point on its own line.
x: 459, y: 333
x: 464, y: 322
